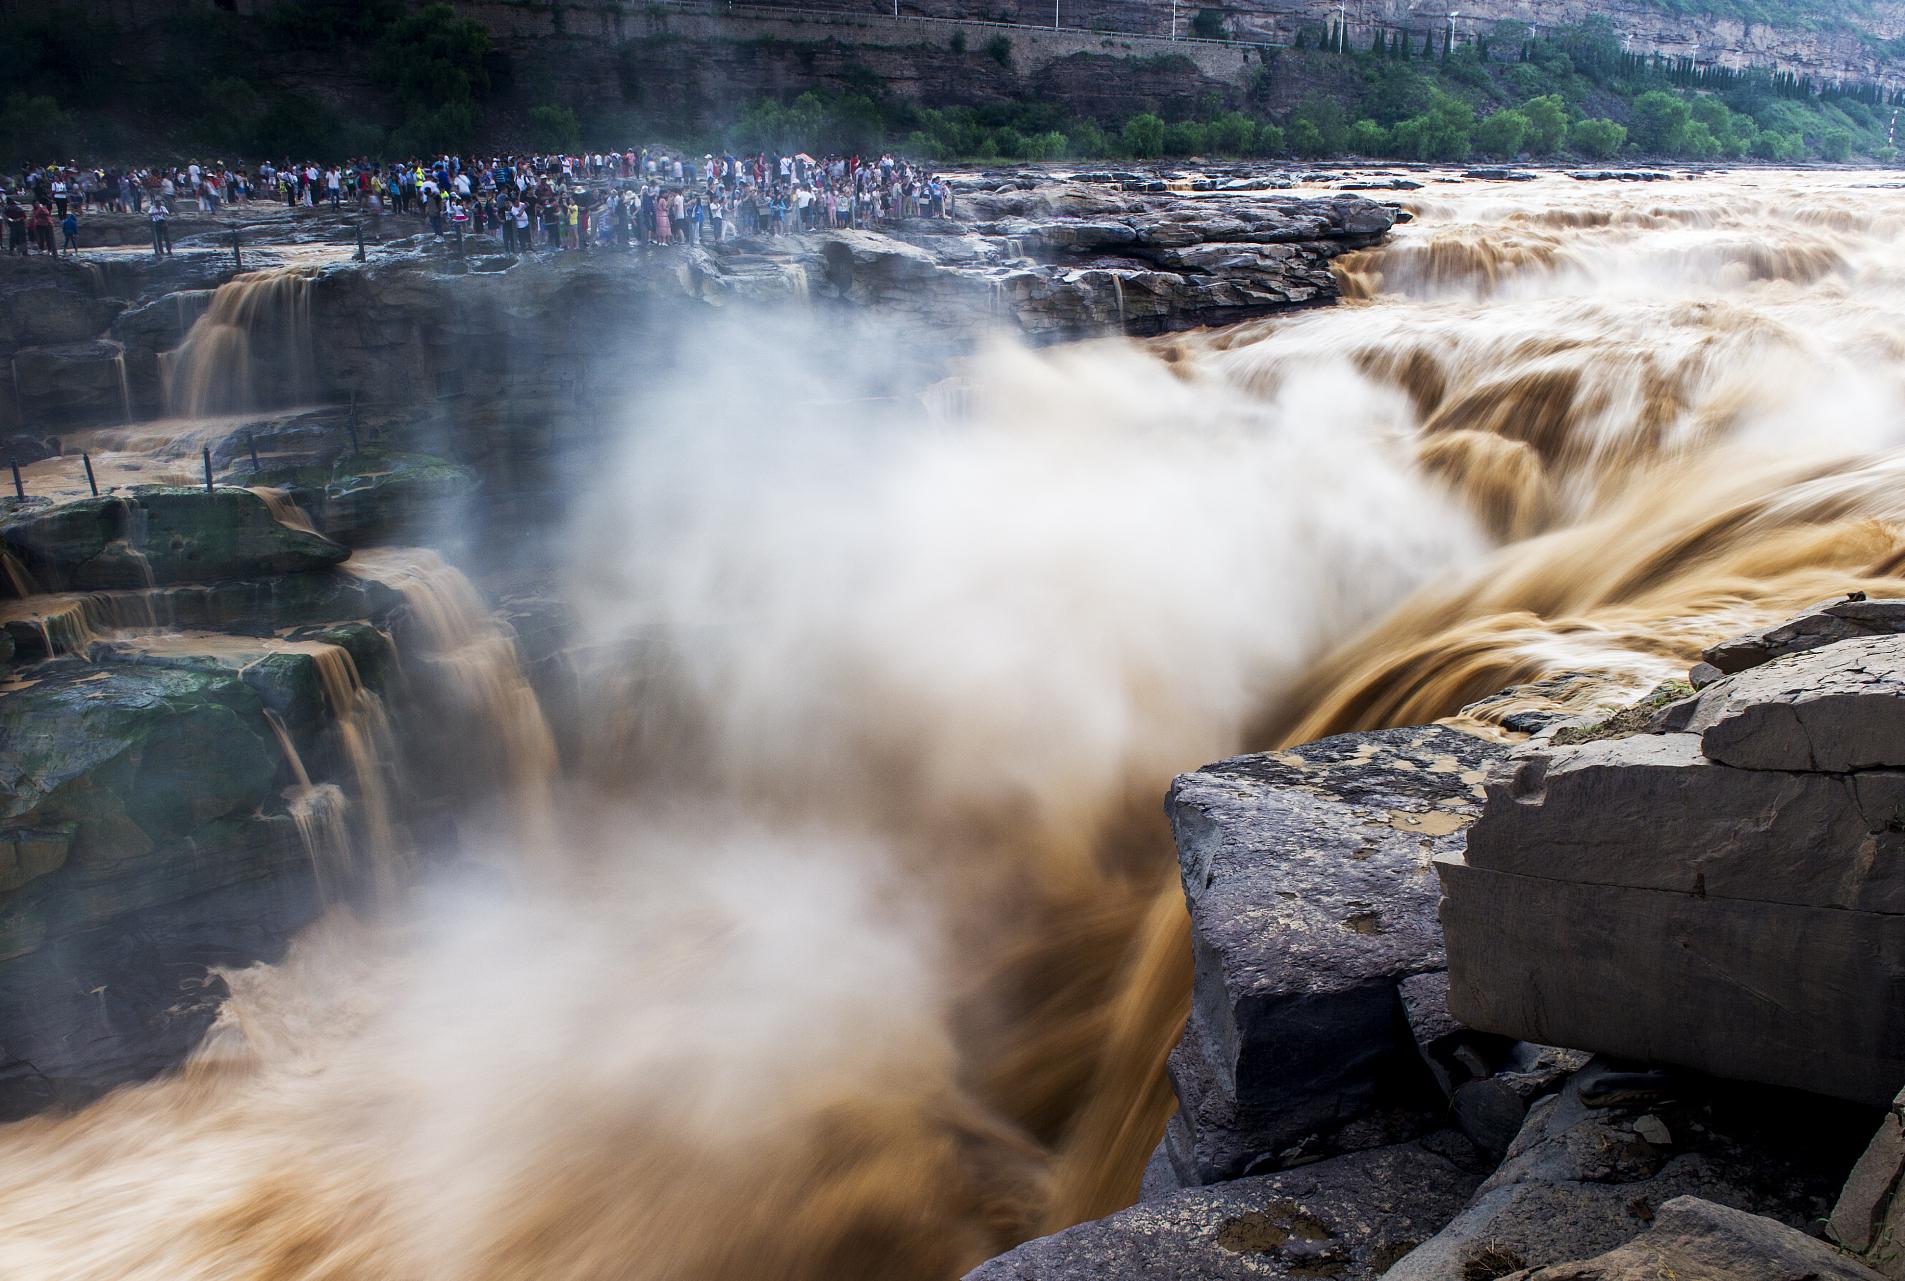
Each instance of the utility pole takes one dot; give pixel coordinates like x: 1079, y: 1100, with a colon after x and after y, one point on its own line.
x: 1054, y: 15
x: 1173, y: 19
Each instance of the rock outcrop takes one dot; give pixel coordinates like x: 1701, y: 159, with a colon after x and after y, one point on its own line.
x: 1595, y: 1163
x: 155, y: 534
x: 1723, y: 893
x: 141, y: 842
x: 1869, y: 1218
x: 1350, y: 1217
x: 1312, y: 904
x: 1695, y: 1238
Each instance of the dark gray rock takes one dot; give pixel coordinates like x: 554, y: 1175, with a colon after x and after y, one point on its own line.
x: 1651, y: 811
x: 1722, y: 896
x: 1830, y: 621
x: 1692, y: 1238
x: 141, y: 841
x: 1349, y: 1217
x: 152, y: 534
x: 1834, y: 708
x: 1582, y: 1179
x: 1743, y: 987
x: 1869, y: 1217
x: 1308, y: 877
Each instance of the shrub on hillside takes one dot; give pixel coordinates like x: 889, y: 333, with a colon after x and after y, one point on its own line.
x: 1599, y: 138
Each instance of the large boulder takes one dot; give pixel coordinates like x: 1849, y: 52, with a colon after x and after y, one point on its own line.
x: 1869, y: 1217
x: 72, y: 383
x: 1348, y: 1218
x: 153, y: 535
x: 1835, y: 709
x: 1828, y: 622
x: 1312, y: 902
x: 141, y: 841
x: 373, y: 495
x: 1724, y: 892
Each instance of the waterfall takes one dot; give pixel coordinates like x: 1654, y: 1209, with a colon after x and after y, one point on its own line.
x: 18, y: 580
x: 125, y: 388
x: 874, y: 978
x: 501, y: 710
x: 250, y: 350
x: 283, y: 508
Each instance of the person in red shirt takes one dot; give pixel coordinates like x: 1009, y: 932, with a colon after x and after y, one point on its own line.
x: 41, y: 226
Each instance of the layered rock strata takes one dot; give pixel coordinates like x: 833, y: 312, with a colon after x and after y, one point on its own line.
x: 1725, y: 892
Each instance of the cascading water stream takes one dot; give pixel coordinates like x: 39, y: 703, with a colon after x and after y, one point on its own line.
x: 859, y: 951
x: 250, y: 349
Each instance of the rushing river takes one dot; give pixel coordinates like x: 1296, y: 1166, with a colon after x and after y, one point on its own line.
x: 858, y: 947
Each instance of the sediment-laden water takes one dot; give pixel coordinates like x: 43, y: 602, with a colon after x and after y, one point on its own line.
x: 853, y: 947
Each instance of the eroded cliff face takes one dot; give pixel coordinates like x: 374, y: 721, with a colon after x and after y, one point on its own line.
x: 1104, y: 58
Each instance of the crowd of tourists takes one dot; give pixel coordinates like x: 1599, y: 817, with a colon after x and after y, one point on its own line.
x: 635, y: 197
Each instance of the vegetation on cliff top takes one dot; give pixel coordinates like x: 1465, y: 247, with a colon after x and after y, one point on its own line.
x: 228, y: 86
x: 1572, y: 94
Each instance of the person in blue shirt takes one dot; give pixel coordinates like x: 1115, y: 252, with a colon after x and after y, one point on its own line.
x: 69, y: 230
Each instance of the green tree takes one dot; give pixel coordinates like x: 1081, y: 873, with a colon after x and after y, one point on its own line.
x: 432, y: 60
x: 1599, y: 138
x: 1698, y: 143
x: 34, y: 129
x: 1443, y: 132
x: 1327, y: 121
x: 1232, y: 134
x: 553, y: 127
x: 1547, y: 118
x: 1143, y: 135
x: 1501, y: 133
x: 1836, y: 144
x: 1209, y: 24
x: 1367, y: 138
x: 1307, y: 140
x: 1186, y: 138
x: 1271, y: 140
x: 1659, y: 123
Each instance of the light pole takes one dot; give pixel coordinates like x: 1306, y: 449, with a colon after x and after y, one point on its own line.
x: 1054, y: 15
x: 1173, y: 19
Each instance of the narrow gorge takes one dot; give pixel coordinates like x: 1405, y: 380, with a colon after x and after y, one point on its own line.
x: 668, y: 764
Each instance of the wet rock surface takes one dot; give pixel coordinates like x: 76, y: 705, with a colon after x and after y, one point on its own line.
x: 1351, y: 1217
x: 141, y: 841
x: 1312, y: 902
x: 159, y: 535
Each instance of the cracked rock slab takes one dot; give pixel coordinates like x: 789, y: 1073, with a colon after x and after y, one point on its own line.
x: 1834, y: 709
x: 1830, y: 621
x: 1651, y: 811
x: 1312, y: 898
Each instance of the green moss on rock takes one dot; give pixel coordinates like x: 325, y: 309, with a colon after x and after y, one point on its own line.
x: 162, y: 534
x: 1635, y: 718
